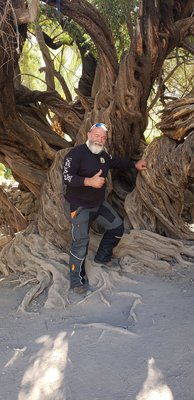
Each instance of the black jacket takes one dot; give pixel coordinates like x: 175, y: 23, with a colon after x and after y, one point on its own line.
x: 81, y: 163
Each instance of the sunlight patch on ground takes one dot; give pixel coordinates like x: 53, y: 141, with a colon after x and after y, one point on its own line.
x: 45, y: 375
x: 154, y: 387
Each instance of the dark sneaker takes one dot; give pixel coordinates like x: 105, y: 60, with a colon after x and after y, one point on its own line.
x: 112, y: 265
x: 77, y: 294
x: 81, y: 288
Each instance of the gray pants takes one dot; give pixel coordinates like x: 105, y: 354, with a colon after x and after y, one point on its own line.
x: 81, y: 220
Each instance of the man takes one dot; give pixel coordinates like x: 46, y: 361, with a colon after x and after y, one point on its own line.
x: 85, y: 171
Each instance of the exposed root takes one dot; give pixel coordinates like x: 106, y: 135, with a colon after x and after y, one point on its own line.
x: 43, y: 266
x: 41, y: 262
x: 132, y: 312
x: 104, y: 300
x: 30, y: 295
x: 22, y: 284
x: 98, y: 277
x: 130, y: 294
x: 57, y: 294
x: 141, y: 249
x: 101, y: 280
x: 106, y: 327
x: 138, y: 300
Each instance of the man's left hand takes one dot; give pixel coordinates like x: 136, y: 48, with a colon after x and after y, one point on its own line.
x: 141, y: 165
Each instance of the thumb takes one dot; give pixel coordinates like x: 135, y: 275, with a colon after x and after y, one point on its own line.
x: 99, y: 173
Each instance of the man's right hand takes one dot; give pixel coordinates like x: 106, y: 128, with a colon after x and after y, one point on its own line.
x: 95, y: 181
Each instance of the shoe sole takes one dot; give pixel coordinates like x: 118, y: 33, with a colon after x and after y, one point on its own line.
x: 110, y: 268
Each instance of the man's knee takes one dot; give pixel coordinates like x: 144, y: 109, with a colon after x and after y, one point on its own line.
x: 108, y: 217
x: 79, y: 252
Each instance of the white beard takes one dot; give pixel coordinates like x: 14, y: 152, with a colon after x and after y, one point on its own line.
x: 94, y: 148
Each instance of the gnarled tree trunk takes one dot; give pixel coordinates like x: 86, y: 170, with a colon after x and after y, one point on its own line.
x: 157, y: 202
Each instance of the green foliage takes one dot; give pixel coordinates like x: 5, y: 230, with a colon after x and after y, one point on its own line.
x: 5, y: 172
x: 181, y: 82
x: 117, y: 14
x: 30, y: 63
x: 53, y: 23
x: 151, y: 131
x: 66, y: 59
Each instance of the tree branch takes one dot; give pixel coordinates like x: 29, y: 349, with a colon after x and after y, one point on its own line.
x: 163, y: 81
x: 15, y: 219
x: 87, y: 16
x: 54, y: 102
x: 49, y: 70
x: 27, y: 14
x: 188, y: 46
x: 50, y: 42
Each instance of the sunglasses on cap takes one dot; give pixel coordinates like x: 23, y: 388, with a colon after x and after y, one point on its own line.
x: 99, y: 125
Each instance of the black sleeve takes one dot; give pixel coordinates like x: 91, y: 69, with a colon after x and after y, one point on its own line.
x: 70, y: 169
x: 121, y: 163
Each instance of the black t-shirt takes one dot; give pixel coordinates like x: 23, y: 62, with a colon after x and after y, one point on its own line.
x: 81, y: 163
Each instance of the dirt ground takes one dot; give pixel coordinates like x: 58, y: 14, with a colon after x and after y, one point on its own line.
x: 137, y: 344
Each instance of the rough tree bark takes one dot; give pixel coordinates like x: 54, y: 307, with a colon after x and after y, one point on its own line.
x: 157, y: 202
x: 119, y: 98
x: 12, y: 216
x: 119, y: 92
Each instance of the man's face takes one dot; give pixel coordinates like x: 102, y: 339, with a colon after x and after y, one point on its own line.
x: 97, y: 139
